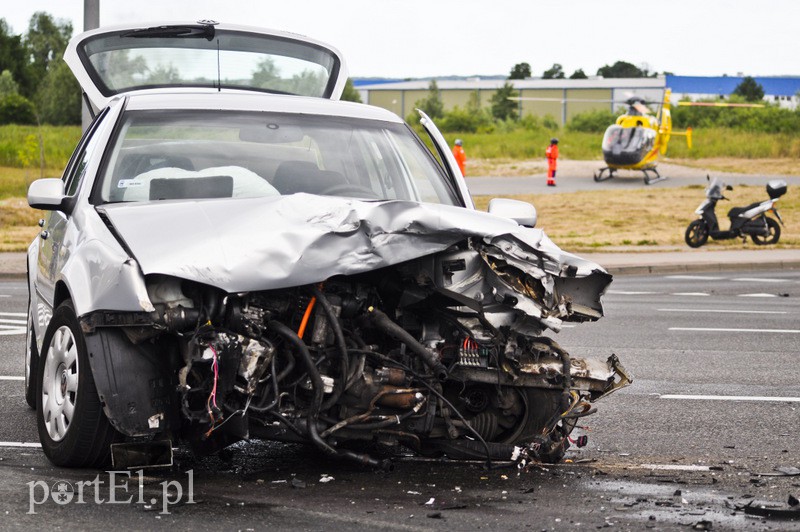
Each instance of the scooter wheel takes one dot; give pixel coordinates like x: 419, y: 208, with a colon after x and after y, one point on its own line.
x: 696, y: 234
x: 772, y: 237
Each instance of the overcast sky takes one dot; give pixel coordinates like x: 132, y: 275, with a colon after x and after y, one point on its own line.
x: 418, y: 38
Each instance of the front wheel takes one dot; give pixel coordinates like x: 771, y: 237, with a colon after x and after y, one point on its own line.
x: 31, y: 358
x: 696, y: 234
x: 772, y: 236
x: 73, y: 429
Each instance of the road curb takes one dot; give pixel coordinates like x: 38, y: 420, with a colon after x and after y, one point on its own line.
x: 642, y: 269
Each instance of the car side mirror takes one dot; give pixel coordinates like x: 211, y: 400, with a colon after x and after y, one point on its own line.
x: 521, y: 212
x: 47, y: 194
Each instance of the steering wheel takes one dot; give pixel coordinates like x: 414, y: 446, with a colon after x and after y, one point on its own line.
x: 348, y: 189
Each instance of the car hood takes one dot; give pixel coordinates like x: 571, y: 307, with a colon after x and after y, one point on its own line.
x: 248, y: 244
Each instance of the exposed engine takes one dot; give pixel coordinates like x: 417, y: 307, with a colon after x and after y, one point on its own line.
x: 440, y: 355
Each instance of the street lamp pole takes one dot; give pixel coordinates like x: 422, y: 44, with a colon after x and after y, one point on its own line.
x: 91, y: 20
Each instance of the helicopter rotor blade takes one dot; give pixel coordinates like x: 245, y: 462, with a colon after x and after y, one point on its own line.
x: 720, y: 104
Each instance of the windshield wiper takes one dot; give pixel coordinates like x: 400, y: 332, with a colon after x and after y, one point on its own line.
x: 174, y: 32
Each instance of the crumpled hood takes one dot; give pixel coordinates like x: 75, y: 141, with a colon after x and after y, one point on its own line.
x: 242, y: 245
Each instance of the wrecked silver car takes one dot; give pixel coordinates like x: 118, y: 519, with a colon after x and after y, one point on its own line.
x: 233, y: 254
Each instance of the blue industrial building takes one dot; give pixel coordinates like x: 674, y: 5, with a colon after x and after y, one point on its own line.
x: 783, y: 90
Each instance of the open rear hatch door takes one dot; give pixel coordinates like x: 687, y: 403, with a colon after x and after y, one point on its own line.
x: 206, y: 55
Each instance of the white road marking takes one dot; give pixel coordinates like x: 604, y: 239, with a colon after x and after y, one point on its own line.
x: 689, y: 294
x: 732, y: 398
x: 758, y: 280
x: 720, y: 311
x: 14, y: 314
x: 757, y: 295
x: 695, y: 277
x: 11, y: 332
x: 10, y: 378
x: 4, y: 295
x: 15, y: 322
x: 714, y: 329
x: 676, y: 467
x: 630, y: 293
x: 20, y: 444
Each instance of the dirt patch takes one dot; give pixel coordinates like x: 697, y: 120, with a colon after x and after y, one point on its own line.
x: 504, y: 167
x: 787, y: 167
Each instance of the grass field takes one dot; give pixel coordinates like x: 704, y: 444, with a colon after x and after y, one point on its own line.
x: 644, y: 220
x: 579, y: 221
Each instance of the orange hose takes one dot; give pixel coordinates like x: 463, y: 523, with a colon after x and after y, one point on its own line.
x: 304, y: 322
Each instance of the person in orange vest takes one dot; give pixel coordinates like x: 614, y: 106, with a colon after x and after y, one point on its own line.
x: 461, y: 157
x: 552, y: 157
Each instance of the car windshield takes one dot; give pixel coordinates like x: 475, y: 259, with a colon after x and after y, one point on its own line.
x: 167, y: 155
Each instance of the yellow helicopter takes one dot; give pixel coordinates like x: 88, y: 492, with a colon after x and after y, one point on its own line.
x: 638, y: 138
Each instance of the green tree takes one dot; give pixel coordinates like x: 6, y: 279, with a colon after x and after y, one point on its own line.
x: 45, y: 42
x: 749, y: 89
x: 350, y: 94
x: 620, y: 69
x: 554, y: 72
x: 502, y: 107
x: 59, y: 96
x: 520, y: 71
x: 578, y: 74
x: 14, y: 59
x: 7, y: 84
x: 432, y: 105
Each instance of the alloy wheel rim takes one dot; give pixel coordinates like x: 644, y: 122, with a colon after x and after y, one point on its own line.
x: 60, y: 383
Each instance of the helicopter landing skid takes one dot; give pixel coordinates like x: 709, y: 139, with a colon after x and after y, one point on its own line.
x: 598, y: 176
x: 650, y: 180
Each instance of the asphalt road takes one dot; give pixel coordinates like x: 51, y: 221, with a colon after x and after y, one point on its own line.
x: 714, y: 409
x: 573, y: 176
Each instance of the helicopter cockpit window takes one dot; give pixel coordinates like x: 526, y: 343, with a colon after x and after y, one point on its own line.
x: 628, y: 138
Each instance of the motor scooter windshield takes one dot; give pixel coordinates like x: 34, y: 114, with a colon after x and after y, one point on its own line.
x: 714, y: 190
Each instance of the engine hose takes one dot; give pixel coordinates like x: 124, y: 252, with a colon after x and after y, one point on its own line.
x: 318, y: 387
x: 383, y: 322
x: 261, y: 408
x: 343, y: 356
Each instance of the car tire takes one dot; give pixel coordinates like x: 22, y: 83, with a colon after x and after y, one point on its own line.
x: 73, y: 429
x: 542, y: 406
x: 696, y: 234
x: 31, y: 358
x: 772, y: 238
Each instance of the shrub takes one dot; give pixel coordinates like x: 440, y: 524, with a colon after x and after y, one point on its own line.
x: 16, y: 109
x: 592, y: 121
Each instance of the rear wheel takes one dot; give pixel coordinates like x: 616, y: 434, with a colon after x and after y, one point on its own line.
x: 73, y: 428
x: 696, y: 234
x: 772, y: 236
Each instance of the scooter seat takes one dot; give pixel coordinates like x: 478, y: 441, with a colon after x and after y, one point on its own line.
x: 736, y: 211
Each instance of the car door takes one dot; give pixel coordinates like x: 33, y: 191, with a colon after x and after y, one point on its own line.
x: 59, y: 235
x: 446, y: 156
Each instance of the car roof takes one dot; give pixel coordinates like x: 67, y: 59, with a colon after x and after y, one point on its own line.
x: 188, y: 99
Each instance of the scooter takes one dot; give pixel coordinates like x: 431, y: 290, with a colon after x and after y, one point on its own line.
x: 751, y: 220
